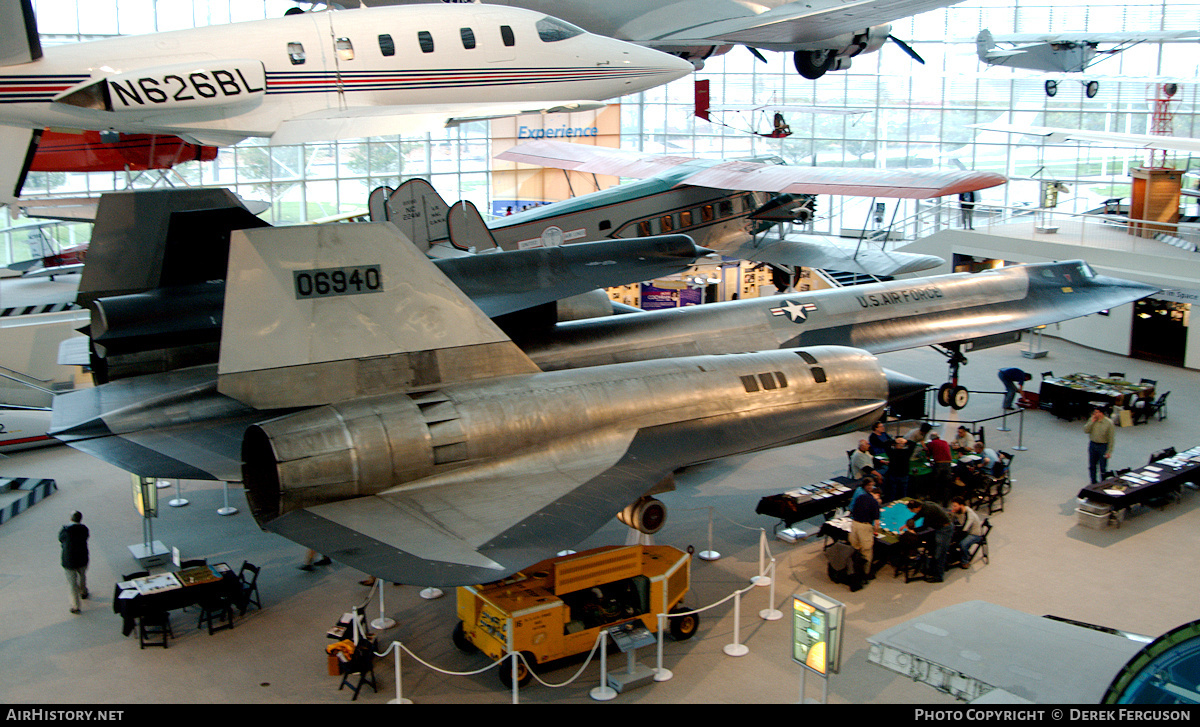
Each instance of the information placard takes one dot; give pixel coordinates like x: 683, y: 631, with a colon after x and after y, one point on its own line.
x: 817, y: 632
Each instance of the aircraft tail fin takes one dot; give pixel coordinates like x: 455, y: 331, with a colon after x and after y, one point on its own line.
x: 20, y: 43
x: 15, y: 165
x: 320, y: 314
x: 415, y: 209
x: 467, y: 228
x: 984, y: 44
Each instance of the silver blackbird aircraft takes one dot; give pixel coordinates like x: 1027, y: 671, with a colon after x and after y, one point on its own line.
x: 731, y: 207
x: 821, y: 35
x: 375, y: 413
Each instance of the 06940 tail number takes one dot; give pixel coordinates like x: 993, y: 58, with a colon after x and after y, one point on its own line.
x: 328, y: 282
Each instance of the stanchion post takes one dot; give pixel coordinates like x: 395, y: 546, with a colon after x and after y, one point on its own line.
x: 737, y: 648
x: 383, y: 622
x: 762, y: 579
x: 661, y: 673
x: 1004, y: 423
x: 512, y: 654
x: 399, y: 689
x: 1021, y: 432
x: 770, y: 613
x: 603, y: 693
x: 710, y: 554
x: 227, y: 509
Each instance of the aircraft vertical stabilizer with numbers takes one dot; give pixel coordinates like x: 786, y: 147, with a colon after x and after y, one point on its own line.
x: 318, y: 314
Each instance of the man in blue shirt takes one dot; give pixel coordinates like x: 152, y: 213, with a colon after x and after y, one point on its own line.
x: 1014, y: 382
x: 864, y: 525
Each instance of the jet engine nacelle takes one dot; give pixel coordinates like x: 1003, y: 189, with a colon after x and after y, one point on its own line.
x: 647, y: 515
x: 182, y: 86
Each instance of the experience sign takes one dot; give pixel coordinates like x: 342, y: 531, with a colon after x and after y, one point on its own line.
x: 817, y: 632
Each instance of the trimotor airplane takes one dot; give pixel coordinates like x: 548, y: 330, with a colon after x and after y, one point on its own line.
x: 311, y: 76
x: 821, y: 35
x: 374, y: 412
x: 728, y: 206
x: 1073, y: 52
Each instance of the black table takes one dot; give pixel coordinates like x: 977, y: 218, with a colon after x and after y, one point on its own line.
x: 809, y: 501
x: 1152, y: 481
x: 1071, y: 397
x: 222, y: 584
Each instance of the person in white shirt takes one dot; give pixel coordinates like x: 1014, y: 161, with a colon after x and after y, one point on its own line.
x: 966, y: 522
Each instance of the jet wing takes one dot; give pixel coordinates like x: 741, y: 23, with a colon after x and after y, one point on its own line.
x: 362, y: 121
x: 481, y: 523
x: 785, y: 25
x: 978, y: 651
x: 828, y: 255
x: 755, y: 176
x: 1144, y: 141
x: 1165, y: 36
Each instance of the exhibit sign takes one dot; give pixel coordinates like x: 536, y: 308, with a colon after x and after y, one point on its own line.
x: 817, y: 632
x: 145, y: 495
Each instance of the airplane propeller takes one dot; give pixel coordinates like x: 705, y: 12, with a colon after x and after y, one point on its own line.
x: 907, y: 49
x: 757, y: 54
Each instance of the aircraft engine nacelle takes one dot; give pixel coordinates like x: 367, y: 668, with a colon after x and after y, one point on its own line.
x: 648, y: 515
x: 182, y: 86
x: 812, y: 60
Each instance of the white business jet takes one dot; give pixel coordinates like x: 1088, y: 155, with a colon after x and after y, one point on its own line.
x: 311, y: 76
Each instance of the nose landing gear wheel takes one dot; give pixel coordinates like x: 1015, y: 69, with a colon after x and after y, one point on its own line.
x: 1091, y: 88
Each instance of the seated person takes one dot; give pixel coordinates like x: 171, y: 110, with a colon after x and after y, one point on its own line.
x: 879, y: 440
x: 918, y: 435
x: 861, y: 458
x: 968, y: 529
x: 992, y: 463
x: 866, y: 486
x: 968, y: 476
x: 964, y: 442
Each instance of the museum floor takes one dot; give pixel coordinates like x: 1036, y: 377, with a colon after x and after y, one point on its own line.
x: 1139, y: 578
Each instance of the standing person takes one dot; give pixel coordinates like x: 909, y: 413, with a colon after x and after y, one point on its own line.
x: 1014, y: 383
x: 942, y: 460
x: 74, y: 539
x: 864, y: 526
x: 895, y: 479
x: 936, y: 519
x: 1102, y: 435
x: 966, y: 203
x: 879, y: 439
x: 969, y: 526
x: 918, y: 434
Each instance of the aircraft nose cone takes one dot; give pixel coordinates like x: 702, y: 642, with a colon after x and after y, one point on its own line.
x: 656, y: 67
x: 901, y: 386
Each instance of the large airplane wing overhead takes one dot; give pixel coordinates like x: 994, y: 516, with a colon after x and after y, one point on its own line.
x: 755, y: 176
x: 1055, y: 134
x: 786, y: 24
x: 364, y: 121
x: 1164, y: 36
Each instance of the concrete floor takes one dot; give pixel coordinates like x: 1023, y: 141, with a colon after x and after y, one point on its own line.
x: 1139, y: 578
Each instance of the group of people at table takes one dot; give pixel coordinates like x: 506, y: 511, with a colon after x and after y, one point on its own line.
x: 883, y: 464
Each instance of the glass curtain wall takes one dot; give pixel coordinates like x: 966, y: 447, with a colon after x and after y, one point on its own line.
x: 905, y: 114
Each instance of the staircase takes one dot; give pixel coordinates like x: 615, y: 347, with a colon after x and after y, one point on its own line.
x: 18, y: 494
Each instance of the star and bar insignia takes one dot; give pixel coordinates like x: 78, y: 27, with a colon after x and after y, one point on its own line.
x: 798, y: 312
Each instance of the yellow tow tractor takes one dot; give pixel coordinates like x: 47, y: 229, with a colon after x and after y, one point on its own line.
x: 558, y: 606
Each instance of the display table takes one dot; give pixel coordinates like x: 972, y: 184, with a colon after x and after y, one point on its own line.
x: 1106, y: 501
x: 171, y: 591
x: 809, y: 501
x: 1072, y: 396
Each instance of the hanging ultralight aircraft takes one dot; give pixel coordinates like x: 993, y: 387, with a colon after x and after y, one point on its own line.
x: 311, y: 76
